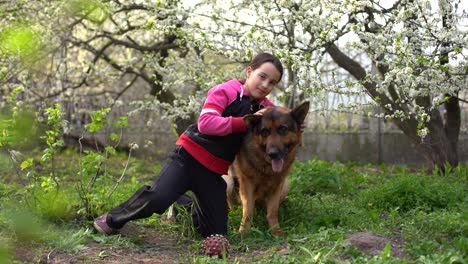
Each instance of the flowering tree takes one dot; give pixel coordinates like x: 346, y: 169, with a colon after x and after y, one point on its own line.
x: 408, y: 56
x: 106, y: 51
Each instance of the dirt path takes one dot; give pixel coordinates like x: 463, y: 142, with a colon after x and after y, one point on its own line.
x: 156, y: 248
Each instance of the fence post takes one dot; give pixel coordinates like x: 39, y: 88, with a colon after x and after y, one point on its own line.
x: 375, y: 131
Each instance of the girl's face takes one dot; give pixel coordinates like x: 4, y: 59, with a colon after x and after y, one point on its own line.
x: 260, y: 82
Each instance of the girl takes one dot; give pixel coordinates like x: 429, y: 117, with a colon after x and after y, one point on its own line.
x: 203, y: 153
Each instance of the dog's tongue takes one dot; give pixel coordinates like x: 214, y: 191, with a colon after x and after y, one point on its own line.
x: 277, y: 165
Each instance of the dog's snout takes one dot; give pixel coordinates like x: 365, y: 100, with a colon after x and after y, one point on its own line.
x: 274, y: 154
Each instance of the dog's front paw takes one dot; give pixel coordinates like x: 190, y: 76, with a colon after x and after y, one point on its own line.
x: 243, y: 230
x: 277, y: 232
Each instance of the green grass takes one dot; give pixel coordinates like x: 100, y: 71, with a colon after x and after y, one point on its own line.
x: 327, y: 203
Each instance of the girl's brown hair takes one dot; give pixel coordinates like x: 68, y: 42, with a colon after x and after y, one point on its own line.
x: 265, y: 57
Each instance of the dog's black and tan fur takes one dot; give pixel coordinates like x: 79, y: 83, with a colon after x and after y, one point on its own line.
x: 264, y: 162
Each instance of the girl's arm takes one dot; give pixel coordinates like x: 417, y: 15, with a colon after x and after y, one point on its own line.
x: 211, y: 121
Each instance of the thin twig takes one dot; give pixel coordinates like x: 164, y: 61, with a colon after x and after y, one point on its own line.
x: 48, y: 255
x: 123, y: 174
x: 14, y: 164
x: 461, y: 100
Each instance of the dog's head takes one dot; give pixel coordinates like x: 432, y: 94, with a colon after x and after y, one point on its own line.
x: 277, y: 132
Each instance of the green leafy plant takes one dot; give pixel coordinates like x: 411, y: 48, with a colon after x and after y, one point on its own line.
x: 412, y: 191
x: 53, y: 140
x: 93, y: 165
x: 17, y: 130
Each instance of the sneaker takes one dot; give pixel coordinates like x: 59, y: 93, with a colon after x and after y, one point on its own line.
x: 101, y: 225
x: 182, y: 206
x: 172, y: 213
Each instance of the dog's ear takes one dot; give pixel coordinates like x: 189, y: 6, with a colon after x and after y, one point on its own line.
x: 300, y: 112
x: 252, y: 121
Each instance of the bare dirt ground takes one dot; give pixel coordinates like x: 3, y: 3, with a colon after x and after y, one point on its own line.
x: 155, y: 247
x: 373, y: 244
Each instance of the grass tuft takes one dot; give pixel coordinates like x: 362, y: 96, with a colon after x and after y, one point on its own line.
x: 413, y: 191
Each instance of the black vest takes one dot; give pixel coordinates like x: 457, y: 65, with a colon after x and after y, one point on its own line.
x: 225, y: 147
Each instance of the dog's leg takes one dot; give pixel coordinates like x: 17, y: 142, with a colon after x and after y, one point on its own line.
x: 246, y: 191
x: 272, y: 205
x: 229, y: 190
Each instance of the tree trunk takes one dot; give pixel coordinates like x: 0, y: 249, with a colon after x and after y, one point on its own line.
x: 182, y: 124
x: 436, y: 147
x: 452, y: 120
x: 167, y: 97
x: 439, y: 147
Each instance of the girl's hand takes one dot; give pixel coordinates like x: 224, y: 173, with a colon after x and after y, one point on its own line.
x: 261, y: 111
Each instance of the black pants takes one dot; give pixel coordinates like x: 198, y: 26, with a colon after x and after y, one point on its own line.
x: 180, y: 174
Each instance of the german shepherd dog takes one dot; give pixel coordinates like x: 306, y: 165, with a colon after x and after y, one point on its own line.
x: 264, y: 162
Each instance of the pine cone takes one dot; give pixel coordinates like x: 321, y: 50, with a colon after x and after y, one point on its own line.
x: 216, y: 245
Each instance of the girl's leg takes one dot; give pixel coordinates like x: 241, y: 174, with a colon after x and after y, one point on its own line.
x: 210, y: 212
x: 173, y: 181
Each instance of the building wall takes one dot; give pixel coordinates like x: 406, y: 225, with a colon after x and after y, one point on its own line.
x: 394, y: 148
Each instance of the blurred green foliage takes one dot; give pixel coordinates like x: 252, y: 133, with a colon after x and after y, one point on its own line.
x: 95, y: 11
x: 21, y: 40
x: 18, y: 129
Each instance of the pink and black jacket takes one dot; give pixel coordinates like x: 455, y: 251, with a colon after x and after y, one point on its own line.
x: 216, y: 139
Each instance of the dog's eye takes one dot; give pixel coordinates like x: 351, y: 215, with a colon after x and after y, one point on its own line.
x: 265, y: 132
x: 282, y: 130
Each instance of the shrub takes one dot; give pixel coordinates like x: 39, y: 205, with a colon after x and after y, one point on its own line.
x: 316, y: 176
x: 55, y: 206
x: 407, y: 192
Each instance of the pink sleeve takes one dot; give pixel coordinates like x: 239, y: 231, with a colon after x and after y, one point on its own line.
x: 211, y: 121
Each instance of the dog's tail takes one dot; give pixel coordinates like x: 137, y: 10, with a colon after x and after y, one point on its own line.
x: 232, y: 188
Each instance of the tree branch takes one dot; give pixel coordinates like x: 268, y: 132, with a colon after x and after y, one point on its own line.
x: 355, y: 69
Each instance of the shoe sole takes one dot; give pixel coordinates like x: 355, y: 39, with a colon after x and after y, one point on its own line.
x: 99, y: 229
